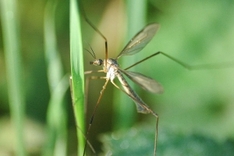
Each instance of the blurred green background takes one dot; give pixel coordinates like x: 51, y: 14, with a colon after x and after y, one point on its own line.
x: 197, y: 102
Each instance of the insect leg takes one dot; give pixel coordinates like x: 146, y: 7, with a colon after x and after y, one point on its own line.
x: 187, y: 66
x: 95, y: 108
x: 93, y: 71
x: 87, y: 141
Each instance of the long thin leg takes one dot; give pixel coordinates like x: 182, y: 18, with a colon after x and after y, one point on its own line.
x: 86, y: 88
x: 93, y: 71
x: 92, y: 25
x: 87, y: 141
x: 190, y: 67
x: 88, y: 78
x: 95, y: 108
x: 148, y: 110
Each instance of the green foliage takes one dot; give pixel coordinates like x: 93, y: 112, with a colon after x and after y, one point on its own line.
x: 77, y: 74
x: 10, y: 29
x: 138, y: 141
x: 58, y: 85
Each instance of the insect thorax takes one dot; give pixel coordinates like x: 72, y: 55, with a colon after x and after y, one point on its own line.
x: 111, y: 68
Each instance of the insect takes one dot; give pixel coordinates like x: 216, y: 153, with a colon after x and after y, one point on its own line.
x: 111, y: 68
x: 113, y: 71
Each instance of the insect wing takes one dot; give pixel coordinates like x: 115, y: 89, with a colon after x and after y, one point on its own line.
x: 144, y: 82
x: 140, y: 40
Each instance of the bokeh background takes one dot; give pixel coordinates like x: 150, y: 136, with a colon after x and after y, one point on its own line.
x: 194, y: 101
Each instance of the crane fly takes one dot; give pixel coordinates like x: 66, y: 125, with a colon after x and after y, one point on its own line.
x: 111, y: 68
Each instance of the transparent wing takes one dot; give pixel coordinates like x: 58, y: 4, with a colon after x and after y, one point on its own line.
x: 140, y: 40
x: 144, y: 82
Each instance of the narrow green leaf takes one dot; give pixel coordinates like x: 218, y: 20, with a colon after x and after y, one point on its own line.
x: 10, y: 30
x: 77, y: 73
x: 58, y: 85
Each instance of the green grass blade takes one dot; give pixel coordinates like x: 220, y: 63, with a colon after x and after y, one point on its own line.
x: 53, y: 60
x: 14, y: 70
x: 125, y: 113
x: 58, y: 85
x: 77, y: 73
x: 57, y: 121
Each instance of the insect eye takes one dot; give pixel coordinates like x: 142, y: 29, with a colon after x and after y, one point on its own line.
x: 100, y: 62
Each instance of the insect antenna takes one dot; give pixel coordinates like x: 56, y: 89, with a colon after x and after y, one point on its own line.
x: 91, y: 51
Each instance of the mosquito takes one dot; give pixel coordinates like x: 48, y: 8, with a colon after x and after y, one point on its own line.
x: 111, y: 67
